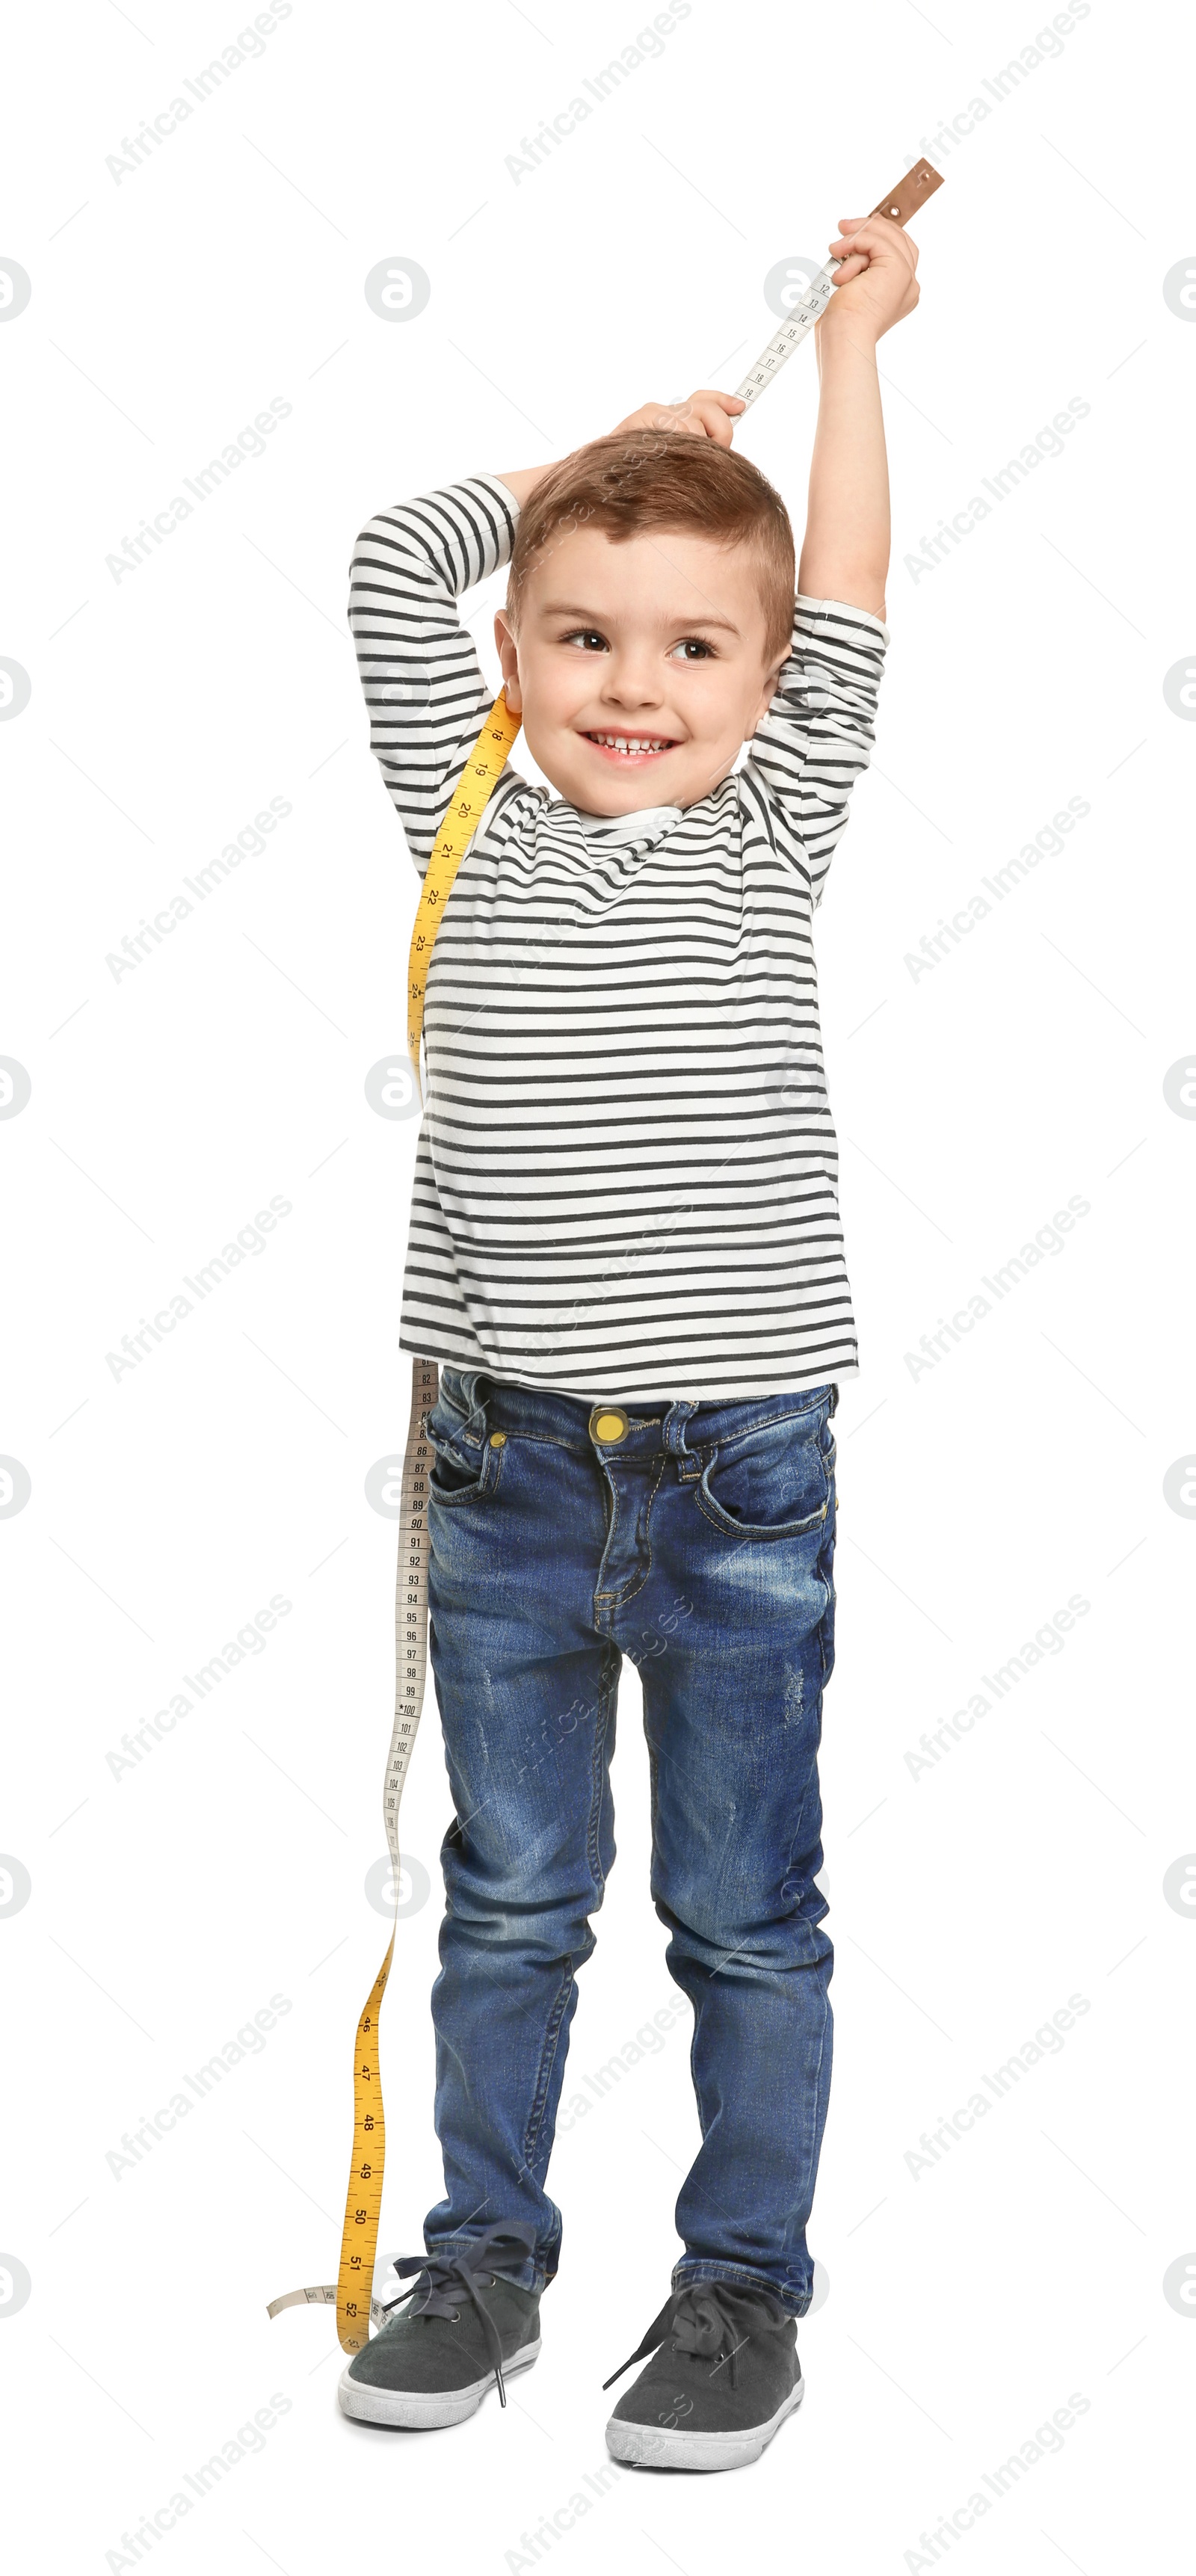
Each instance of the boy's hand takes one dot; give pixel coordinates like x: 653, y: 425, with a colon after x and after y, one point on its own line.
x: 702, y: 415
x: 877, y: 283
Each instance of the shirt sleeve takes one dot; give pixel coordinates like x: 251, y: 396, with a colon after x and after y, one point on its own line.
x: 423, y: 682
x: 818, y: 733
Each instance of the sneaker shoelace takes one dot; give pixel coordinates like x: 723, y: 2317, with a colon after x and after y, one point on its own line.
x: 448, y: 2281
x: 710, y: 2322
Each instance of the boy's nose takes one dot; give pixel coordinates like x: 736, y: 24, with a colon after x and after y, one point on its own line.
x: 627, y: 684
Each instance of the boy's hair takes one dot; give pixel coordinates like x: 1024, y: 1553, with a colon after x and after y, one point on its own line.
x: 658, y: 479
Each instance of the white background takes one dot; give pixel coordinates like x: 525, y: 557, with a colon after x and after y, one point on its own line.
x: 169, y: 1902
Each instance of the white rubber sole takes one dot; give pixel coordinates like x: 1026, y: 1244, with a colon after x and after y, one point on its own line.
x: 419, y: 2411
x: 651, y: 2446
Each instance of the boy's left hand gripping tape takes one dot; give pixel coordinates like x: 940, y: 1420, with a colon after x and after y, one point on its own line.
x: 901, y: 202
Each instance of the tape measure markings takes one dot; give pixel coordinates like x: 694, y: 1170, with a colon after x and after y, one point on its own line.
x: 352, y: 2292
x: 901, y: 202
x: 466, y: 806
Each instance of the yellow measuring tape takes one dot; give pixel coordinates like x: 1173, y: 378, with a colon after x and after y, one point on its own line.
x: 363, y: 2200
x: 466, y: 806
x: 351, y: 2293
x: 356, y: 2307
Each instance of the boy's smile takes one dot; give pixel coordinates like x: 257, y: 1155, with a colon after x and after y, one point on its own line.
x: 629, y: 746
x: 637, y: 667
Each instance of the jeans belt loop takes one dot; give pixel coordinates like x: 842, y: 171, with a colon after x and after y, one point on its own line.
x: 470, y: 1379
x: 689, y: 1465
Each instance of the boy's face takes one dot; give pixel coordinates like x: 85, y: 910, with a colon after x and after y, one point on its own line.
x: 656, y: 642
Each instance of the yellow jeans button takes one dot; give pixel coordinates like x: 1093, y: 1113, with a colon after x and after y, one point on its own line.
x: 608, y: 1426
x: 498, y: 1439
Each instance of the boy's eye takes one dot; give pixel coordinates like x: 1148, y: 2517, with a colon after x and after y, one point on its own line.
x: 692, y: 648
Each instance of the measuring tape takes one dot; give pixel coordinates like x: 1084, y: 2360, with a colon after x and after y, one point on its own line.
x: 902, y: 202
x: 466, y: 806
x: 352, y: 2293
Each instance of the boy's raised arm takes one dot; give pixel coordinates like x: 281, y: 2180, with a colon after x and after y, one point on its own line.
x: 846, y: 551
x: 421, y: 676
x: 817, y: 736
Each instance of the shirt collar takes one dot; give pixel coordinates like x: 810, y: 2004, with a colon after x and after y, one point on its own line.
x: 619, y: 831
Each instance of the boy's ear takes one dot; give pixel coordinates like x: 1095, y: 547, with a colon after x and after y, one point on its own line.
x: 509, y: 657
x: 768, y: 692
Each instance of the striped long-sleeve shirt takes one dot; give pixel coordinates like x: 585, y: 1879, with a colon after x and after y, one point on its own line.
x: 626, y: 1176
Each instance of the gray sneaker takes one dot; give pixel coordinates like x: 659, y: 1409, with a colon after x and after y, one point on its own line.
x: 723, y: 2376
x: 465, y: 2327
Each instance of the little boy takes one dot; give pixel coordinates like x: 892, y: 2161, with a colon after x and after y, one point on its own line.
x: 625, y: 1252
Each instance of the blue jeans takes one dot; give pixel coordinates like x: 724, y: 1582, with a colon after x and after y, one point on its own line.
x: 698, y: 1541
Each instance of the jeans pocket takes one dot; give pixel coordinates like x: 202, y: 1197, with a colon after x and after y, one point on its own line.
x: 467, y: 1460
x: 773, y: 1482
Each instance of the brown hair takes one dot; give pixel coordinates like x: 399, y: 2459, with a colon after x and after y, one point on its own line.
x: 645, y: 479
